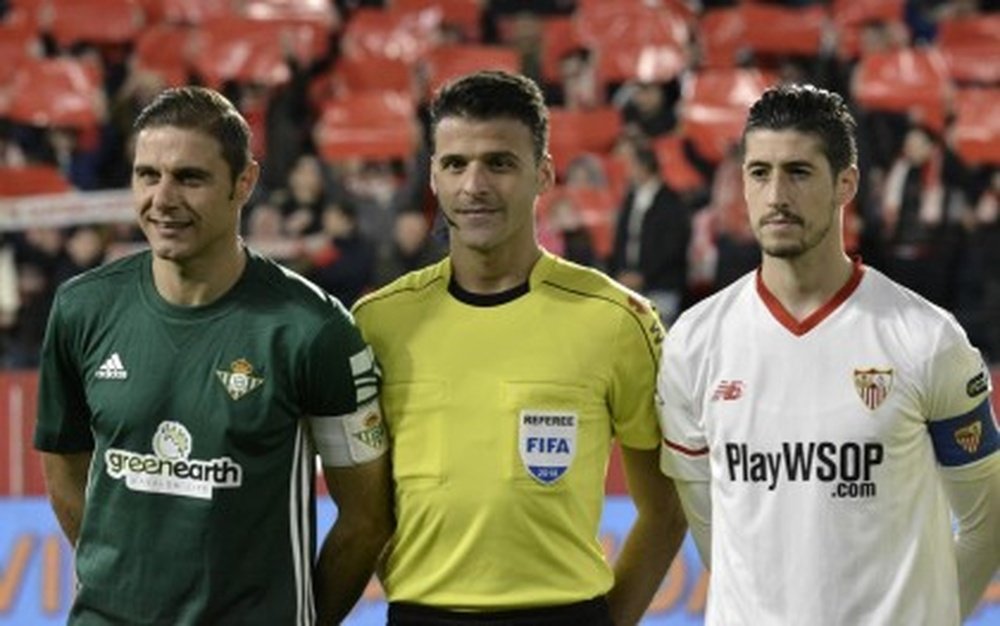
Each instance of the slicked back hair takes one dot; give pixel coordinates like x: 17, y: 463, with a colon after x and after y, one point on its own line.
x: 493, y: 94
x: 807, y: 109
x: 206, y: 111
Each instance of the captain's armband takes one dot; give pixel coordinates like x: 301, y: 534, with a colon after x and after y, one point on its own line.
x: 353, y: 439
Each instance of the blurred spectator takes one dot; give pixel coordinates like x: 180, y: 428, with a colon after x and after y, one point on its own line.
x: 84, y: 250
x: 652, y: 235
x: 569, y: 235
x: 302, y: 200
x: 985, y: 242
x: 737, y: 250
x: 578, y: 86
x: 412, y: 247
x: 648, y: 107
x: 913, y: 217
x: 344, y: 262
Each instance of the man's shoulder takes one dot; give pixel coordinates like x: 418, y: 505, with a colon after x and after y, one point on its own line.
x: 586, y: 284
x: 99, y: 285
x: 408, y: 287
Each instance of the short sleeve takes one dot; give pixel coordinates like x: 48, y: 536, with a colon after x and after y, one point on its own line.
x: 341, y: 374
x: 685, y: 448
x: 960, y: 419
x: 634, y: 378
x: 63, y: 422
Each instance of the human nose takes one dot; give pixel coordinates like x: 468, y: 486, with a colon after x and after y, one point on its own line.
x: 164, y: 193
x: 474, y: 179
x: 776, y: 190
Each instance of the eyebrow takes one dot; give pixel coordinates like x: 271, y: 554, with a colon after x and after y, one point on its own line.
x: 782, y: 164
x: 184, y: 171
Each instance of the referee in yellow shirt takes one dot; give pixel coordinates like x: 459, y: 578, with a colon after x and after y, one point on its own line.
x: 507, y: 372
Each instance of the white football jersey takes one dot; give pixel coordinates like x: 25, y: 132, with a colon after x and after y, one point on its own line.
x: 823, y: 440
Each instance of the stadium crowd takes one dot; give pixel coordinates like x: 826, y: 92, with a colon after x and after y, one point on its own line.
x: 644, y: 94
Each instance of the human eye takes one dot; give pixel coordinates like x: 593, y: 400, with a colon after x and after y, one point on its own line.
x: 757, y: 172
x: 452, y: 164
x: 192, y: 178
x: 502, y: 163
x: 146, y: 175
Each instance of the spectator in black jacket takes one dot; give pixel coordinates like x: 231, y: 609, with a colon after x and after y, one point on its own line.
x: 652, y: 235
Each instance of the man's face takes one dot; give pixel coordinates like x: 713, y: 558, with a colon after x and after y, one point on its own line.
x: 791, y: 193
x: 188, y: 207
x: 486, y: 179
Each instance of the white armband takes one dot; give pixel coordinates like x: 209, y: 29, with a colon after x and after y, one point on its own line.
x: 353, y: 439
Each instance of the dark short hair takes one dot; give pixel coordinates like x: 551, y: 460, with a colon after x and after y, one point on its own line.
x: 204, y: 110
x: 807, y: 109
x: 491, y: 94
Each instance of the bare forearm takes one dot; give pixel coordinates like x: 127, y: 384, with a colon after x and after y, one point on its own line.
x: 66, y: 483
x: 346, y: 563
x: 642, y: 563
x: 653, y: 540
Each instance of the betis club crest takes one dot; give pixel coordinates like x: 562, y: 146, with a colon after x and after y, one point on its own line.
x: 239, y: 380
x: 873, y: 386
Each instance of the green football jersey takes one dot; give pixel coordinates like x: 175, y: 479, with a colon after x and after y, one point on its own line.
x: 200, y: 499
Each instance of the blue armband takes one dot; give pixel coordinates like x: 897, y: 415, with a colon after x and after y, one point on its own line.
x: 965, y: 438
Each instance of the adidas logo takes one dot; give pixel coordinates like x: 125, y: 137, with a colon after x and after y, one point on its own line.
x: 112, y: 369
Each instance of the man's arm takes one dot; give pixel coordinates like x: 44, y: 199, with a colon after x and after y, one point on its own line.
x: 363, y: 495
x: 653, y: 540
x: 696, y: 498
x: 66, y: 483
x: 974, y: 493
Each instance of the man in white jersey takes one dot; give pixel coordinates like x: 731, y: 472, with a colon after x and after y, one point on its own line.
x: 822, y: 422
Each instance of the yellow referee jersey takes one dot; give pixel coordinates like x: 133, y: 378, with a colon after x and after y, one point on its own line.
x: 501, y: 419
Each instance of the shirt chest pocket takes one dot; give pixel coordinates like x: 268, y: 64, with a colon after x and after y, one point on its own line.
x: 414, y: 412
x: 554, y: 433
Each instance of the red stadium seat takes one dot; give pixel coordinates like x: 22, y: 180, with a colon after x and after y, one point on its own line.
x: 714, y: 105
x: 18, y: 41
x: 369, y: 125
x: 572, y: 133
x: 447, y: 62
x: 164, y: 50
x: 353, y: 75
x: 761, y: 29
x: 196, y: 12
x: 31, y: 180
x: 976, y: 129
x: 677, y: 171
x: 633, y: 40
x: 251, y: 50
x: 55, y: 92
x: 374, y: 32
x: 856, y: 12
x: 913, y: 81
x: 971, y: 48
x: 464, y: 14
x: 95, y: 21
x: 772, y: 29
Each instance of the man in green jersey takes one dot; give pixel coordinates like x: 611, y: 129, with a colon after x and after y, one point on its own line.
x: 184, y: 392
x: 507, y: 372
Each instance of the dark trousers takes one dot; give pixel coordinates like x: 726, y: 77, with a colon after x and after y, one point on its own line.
x: 592, y: 612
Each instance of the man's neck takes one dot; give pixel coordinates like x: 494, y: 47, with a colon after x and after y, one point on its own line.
x: 200, y: 282
x: 804, y: 284
x: 494, y: 271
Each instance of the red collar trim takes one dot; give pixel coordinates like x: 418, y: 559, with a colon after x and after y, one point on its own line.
x: 796, y: 327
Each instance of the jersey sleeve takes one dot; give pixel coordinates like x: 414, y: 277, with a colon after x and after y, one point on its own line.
x: 685, y: 447
x: 63, y: 423
x: 341, y: 395
x: 960, y: 418
x: 637, y: 356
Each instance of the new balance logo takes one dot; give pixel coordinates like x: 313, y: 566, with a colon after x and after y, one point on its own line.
x: 728, y: 390
x: 112, y: 369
